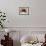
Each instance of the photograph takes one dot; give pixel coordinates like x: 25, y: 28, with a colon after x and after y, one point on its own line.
x: 23, y: 10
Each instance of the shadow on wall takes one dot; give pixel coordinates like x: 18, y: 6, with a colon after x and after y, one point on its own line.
x: 16, y: 43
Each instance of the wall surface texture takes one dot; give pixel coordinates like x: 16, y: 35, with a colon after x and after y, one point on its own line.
x: 37, y: 19
x: 25, y: 24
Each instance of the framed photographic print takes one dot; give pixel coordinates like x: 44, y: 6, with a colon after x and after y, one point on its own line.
x: 23, y: 10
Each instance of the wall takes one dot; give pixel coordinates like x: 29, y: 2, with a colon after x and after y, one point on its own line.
x: 17, y: 35
x: 37, y: 19
x: 16, y: 22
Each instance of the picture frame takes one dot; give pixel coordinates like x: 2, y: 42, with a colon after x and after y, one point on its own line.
x: 23, y: 10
